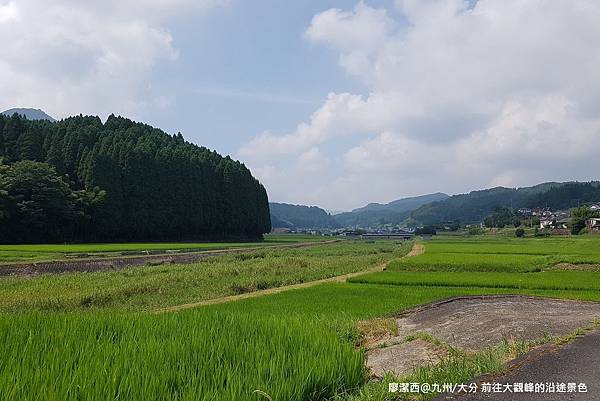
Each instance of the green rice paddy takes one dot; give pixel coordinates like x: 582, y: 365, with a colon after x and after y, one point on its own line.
x: 554, y: 280
x: 95, y: 336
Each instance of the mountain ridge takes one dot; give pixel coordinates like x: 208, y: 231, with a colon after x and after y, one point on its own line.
x: 471, y: 207
x: 29, y: 113
x: 403, y: 204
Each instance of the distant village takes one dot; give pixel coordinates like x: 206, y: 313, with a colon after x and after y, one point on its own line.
x: 544, y: 218
x: 554, y: 222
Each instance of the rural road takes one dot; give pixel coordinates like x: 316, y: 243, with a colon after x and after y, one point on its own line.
x: 575, y: 362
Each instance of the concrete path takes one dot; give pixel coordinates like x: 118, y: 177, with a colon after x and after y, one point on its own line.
x: 576, y: 362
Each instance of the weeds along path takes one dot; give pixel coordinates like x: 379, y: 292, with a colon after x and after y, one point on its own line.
x: 416, y: 250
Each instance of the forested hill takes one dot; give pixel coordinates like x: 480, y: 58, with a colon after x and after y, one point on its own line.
x: 395, y: 212
x: 404, y: 204
x: 80, y: 179
x: 299, y: 216
x: 475, y: 206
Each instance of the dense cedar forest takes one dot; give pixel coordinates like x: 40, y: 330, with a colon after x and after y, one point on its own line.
x: 83, y: 180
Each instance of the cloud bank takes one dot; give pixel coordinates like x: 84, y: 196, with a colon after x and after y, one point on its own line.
x: 95, y: 57
x: 459, y: 96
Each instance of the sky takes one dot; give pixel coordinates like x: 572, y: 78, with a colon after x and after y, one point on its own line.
x: 330, y: 103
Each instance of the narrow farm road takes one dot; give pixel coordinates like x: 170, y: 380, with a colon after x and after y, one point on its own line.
x: 577, y: 362
x: 417, y: 249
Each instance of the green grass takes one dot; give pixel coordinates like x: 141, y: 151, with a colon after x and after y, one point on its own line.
x: 41, y: 252
x: 487, y: 254
x: 452, y: 262
x: 191, y: 356
x: 151, y: 287
x: 528, y: 246
x: 556, y: 280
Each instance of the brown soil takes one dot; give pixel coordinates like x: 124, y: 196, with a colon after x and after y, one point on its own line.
x: 477, y: 323
x: 571, y: 266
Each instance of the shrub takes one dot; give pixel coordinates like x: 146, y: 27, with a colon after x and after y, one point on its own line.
x: 474, y: 230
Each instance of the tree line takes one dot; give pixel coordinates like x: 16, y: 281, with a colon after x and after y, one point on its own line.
x: 83, y: 180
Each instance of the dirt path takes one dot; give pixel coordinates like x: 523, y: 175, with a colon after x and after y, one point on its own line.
x: 417, y: 249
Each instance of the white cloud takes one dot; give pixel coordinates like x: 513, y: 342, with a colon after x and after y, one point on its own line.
x: 91, y: 57
x: 356, y: 34
x: 460, y: 96
x: 8, y: 12
x: 312, y: 161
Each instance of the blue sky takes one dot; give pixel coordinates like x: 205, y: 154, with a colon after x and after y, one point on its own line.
x: 330, y: 103
x: 245, y: 68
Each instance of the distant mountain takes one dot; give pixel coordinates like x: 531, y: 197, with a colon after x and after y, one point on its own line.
x: 437, y: 208
x: 475, y: 206
x: 395, y: 212
x: 300, y: 216
x: 404, y: 204
x: 30, y: 114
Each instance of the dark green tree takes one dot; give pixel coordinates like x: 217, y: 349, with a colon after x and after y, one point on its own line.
x: 579, y: 216
x: 39, y: 204
x: 501, y: 218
